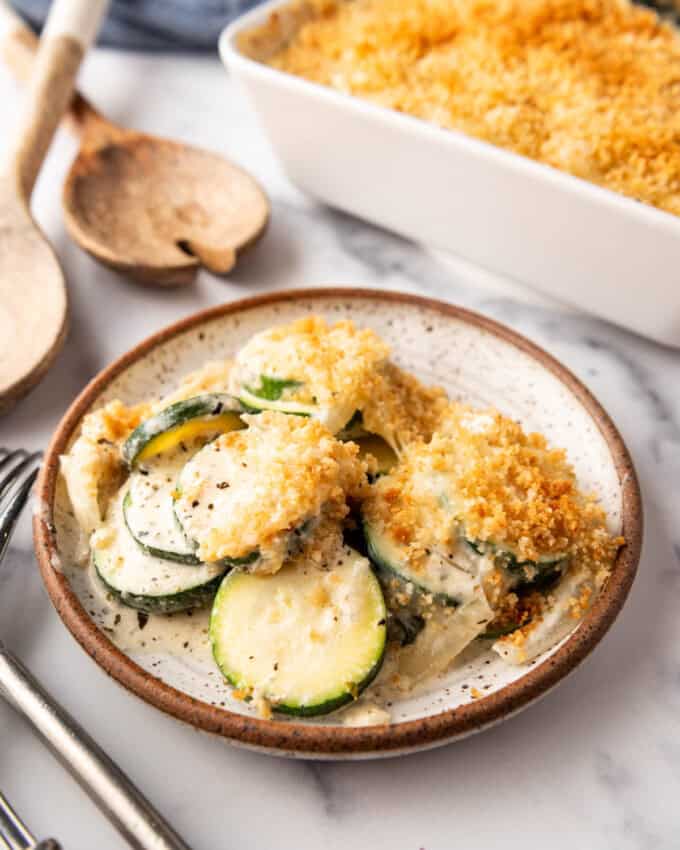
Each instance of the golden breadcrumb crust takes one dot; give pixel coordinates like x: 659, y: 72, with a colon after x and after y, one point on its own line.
x: 333, y: 363
x: 482, y: 476
x: 401, y: 409
x: 113, y: 423
x: 591, y: 87
x: 93, y: 468
x: 274, y: 475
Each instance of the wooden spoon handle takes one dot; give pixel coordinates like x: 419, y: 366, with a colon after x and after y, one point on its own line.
x: 70, y: 29
x: 18, y: 47
x: 18, y: 43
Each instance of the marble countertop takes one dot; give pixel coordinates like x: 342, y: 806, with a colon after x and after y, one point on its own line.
x: 595, y: 765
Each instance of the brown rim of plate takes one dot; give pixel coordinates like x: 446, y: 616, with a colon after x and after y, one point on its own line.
x: 286, y: 736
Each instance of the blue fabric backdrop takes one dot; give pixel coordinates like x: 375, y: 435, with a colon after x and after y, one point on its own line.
x: 156, y: 24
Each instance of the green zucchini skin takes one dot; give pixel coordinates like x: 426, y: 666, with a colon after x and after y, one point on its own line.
x: 543, y: 580
x: 245, y: 561
x: 493, y: 633
x: 198, y: 597
x: 358, y: 653
x: 168, y: 427
x: 256, y: 404
x: 332, y: 704
x: 271, y: 389
x: 143, y: 581
x: 389, y: 567
x: 404, y: 626
x: 527, y: 573
x: 188, y: 558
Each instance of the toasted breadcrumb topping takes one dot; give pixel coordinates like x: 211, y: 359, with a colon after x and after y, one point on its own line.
x: 114, y: 422
x: 591, y: 87
x: 517, y: 614
x: 399, y: 408
x: 266, y: 481
x: 332, y: 363
x: 93, y: 468
x: 482, y: 476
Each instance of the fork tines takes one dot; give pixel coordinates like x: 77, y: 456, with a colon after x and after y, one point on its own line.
x: 18, y: 470
x: 15, y: 835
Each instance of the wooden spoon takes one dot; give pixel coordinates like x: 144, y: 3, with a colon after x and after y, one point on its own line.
x: 33, y: 302
x: 150, y: 207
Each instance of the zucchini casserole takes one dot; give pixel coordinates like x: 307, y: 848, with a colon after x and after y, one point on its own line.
x: 338, y: 516
x: 591, y: 87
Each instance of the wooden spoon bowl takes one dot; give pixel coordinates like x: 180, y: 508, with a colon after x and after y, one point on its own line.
x: 32, y: 300
x: 158, y: 209
x: 150, y: 207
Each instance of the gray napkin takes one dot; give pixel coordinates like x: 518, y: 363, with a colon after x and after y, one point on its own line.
x: 155, y: 24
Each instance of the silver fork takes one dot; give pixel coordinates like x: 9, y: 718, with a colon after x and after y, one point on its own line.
x: 15, y: 835
x: 18, y: 470
x: 105, y: 783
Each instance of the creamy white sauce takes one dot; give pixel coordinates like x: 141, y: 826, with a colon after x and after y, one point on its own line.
x: 454, y: 573
x: 365, y: 714
x: 183, y: 634
x: 150, y: 512
x: 214, y: 490
x: 127, y: 568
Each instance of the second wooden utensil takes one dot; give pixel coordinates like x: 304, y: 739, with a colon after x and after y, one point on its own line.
x: 150, y: 207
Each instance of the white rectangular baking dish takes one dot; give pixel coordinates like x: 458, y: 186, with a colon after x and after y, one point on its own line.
x: 583, y: 244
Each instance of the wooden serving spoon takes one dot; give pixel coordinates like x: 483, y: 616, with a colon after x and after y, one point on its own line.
x: 150, y: 207
x: 33, y: 302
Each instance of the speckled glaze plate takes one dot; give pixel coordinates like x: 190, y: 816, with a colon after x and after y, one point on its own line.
x: 476, y: 360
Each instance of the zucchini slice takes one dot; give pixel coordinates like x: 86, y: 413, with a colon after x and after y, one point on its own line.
x: 256, y: 403
x: 140, y: 580
x: 307, y: 640
x: 149, y: 511
x: 213, y: 466
x: 542, y: 571
x: 201, y: 416
x: 269, y: 396
x: 255, y: 561
x: 451, y: 578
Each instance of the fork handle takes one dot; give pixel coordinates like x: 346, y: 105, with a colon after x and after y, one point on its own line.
x: 104, y: 782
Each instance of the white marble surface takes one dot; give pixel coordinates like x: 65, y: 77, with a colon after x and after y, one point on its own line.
x: 595, y: 765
